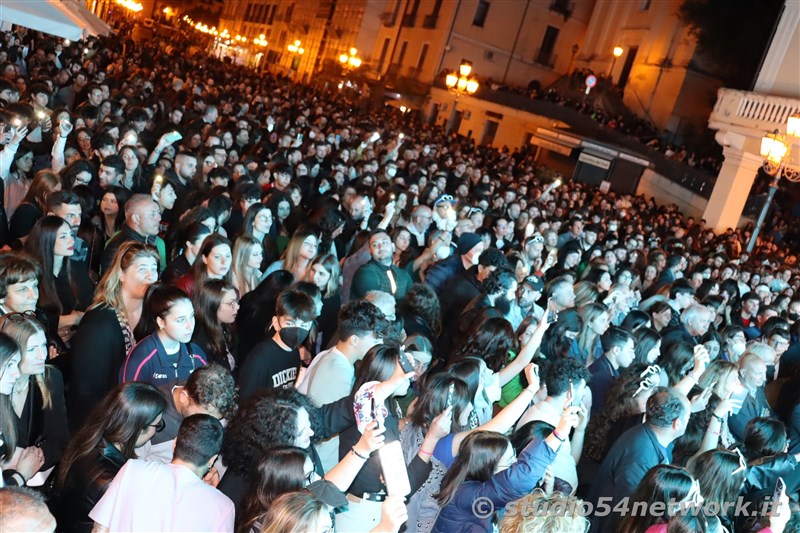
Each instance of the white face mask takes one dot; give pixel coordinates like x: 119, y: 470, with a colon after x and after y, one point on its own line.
x: 738, y: 348
x: 443, y: 252
x: 391, y: 171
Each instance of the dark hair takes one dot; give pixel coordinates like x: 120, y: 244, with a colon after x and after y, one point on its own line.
x: 268, y: 419
x: 634, y: 320
x: 468, y: 369
x: 523, y: 435
x: 664, y: 484
x: 494, y: 258
x: 714, y: 470
x: 421, y: 301
x: 645, y: 339
x: 58, y: 198
x: 490, y: 339
x: 199, y: 439
x: 563, y: 373
x: 677, y: 357
x: 69, y: 172
x: 200, y: 268
x: 497, y: 282
x: 433, y: 400
x: 115, y: 162
x: 158, y: 301
x: 120, y: 418
x: 360, y: 318
x: 477, y: 460
x: 280, y: 470
x: 681, y: 286
x: 664, y: 406
x: 764, y: 436
x: 219, y: 337
x: 40, y: 244
x: 16, y: 267
x: 193, y: 232
x: 122, y: 195
x: 614, y: 337
x: 212, y: 385
x: 295, y: 304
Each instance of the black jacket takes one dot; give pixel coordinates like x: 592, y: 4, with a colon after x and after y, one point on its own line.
x: 44, y: 427
x: 86, y: 482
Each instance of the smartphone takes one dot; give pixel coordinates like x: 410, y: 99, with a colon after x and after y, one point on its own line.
x: 375, y: 416
x: 450, y: 391
x: 395, y: 472
x: 300, y: 137
x: 552, y: 316
x: 780, y: 490
x: 405, y: 364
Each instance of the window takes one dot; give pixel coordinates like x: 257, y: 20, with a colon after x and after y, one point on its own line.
x: 402, y: 55
x: 289, y: 12
x: 422, y: 55
x: 480, y: 13
x: 384, y: 50
x: 548, y: 45
x: 645, y: 5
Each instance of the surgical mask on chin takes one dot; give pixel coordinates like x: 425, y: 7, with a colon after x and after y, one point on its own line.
x: 293, y: 336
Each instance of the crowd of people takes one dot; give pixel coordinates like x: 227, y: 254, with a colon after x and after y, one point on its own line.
x: 234, y: 302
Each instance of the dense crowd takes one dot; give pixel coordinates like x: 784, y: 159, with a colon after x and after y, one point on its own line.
x: 233, y: 302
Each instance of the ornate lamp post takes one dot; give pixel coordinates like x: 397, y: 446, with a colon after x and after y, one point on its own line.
x: 460, y: 83
x: 618, y: 51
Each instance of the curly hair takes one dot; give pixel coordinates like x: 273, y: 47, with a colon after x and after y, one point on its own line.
x: 422, y: 301
x: 214, y: 386
x: 268, y: 419
x: 490, y: 340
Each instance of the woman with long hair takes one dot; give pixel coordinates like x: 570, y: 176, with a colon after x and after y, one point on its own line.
x: 665, y: 485
x: 126, y: 419
x: 190, y: 238
x: 487, y: 466
x: 19, y: 179
x: 34, y: 205
x: 258, y: 225
x: 216, y: 305
x: 721, y: 477
x: 648, y: 346
x: 105, y: 335
x: 65, y: 291
x: 247, y: 258
x: 251, y: 321
x: 299, y: 253
x: 133, y: 179
x: 213, y: 262
x: 111, y: 218
x: 30, y: 459
x: 165, y: 356
x: 324, y: 273
x: 38, y: 397
x: 587, y: 347
x: 297, y: 511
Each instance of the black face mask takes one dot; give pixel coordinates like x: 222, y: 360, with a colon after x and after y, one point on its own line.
x: 794, y: 317
x: 293, y: 336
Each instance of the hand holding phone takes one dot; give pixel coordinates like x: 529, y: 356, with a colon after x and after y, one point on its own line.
x: 450, y: 391
x: 552, y: 314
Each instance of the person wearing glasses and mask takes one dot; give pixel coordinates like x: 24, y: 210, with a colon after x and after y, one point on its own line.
x: 123, y: 421
x: 275, y: 362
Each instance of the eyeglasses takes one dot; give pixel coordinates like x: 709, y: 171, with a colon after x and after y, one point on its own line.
x: 159, y: 426
x: 20, y: 317
x: 232, y: 303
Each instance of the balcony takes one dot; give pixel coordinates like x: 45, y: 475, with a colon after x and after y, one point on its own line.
x: 751, y: 111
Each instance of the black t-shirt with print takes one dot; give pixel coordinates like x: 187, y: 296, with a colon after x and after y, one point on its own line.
x: 268, y: 366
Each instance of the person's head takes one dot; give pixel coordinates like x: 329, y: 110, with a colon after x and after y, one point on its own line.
x: 281, y: 470
x: 215, y: 258
x: 295, y: 312
x: 185, y: 166
x: 209, y: 390
x: 297, y: 511
x: 380, y: 247
x: 648, y: 346
x: 67, y: 205
x: 29, y: 336
x: 198, y: 442
x: 361, y: 326
x: 44, y: 184
x: 750, y: 303
x: 595, y: 319
x: 697, y: 319
x: 128, y: 417
x: 168, y: 311
x: 681, y: 294
x: 618, y: 346
x: 192, y: 236
x: 10, y: 358
x: 258, y: 220
x: 661, y: 314
x: 324, y: 273
x: 752, y: 371
x: 765, y: 437
x: 489, y: 338
x: 668, y: 411
x: 112, y: 170
x: 567, y: 378
x: 433, y: 400
x: 666, y: 485
x: 570, y: 520
x: 50, y: 241
x: 133, y: 269
x: 248, y: 254
x: 481, y: 455
x: 382, y: 363
x: 562, y: 292
x: 19, y: 282
x: 143, y: 215
x: 25, y: 509
x: 422, y: 217
x: 635, y: 320
x: 720, y: 475
x: 302, y: 247
x: 275, y: 417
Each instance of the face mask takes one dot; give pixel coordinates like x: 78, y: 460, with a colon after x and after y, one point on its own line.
x: 391, y: 171
x: 738, y: 348
x: 443, y: 252
x: 293, y: 336
x: 794, y: 317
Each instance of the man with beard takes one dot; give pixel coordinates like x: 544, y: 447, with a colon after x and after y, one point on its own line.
x: 528, y: 293
x: 182, y: 176
x: 379, y: 274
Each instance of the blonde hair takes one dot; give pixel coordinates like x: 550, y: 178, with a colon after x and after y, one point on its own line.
x: 587, y: 338
x: 21, y: 328
x: 293, y: 512
x: 109, y: 290
x: 586, y: 292
x: 244, y: 278
x: 717, y: 371
x: 291, y: 256
x: 331, y: 264
x: 539, y: 513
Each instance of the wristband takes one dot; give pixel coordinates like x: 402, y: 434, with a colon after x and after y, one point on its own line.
x: 557, y: 436
x: 719, y: 418
x: 423, y: 452
x: 353, y: 449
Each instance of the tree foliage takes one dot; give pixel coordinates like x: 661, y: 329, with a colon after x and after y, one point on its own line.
x: 732, y: 35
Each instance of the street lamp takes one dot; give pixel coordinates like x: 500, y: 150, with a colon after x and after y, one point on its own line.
x: 350, y: 61
x: 459, y: 82
x: 618, y: 50
x: 295, y: 48
x: 775, y: 149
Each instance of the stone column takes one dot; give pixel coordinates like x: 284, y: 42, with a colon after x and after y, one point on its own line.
x: 732, y: 188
